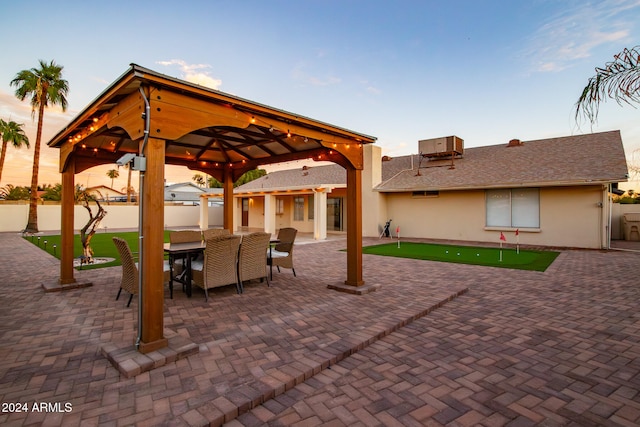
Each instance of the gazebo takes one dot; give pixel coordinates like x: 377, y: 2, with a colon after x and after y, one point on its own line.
x: 150, y: 120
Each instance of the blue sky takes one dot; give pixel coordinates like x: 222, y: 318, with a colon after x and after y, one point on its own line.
x: 486, y: 71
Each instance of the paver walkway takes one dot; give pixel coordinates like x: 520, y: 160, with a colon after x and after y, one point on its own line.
x: 519, y: 348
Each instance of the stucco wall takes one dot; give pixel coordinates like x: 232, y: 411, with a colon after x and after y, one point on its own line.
x: 14, y: 217
x: 569, y: 217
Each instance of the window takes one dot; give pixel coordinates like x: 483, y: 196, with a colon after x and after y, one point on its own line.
x: 311, y: 211
x: 298, y: 208
x: 421, y: 194
x: 516, y: 208
x: 279, y: 206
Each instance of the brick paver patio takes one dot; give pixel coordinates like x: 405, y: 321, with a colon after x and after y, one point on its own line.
x: 436, y: 344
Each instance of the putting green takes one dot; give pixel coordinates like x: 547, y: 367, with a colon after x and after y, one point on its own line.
x: 524, y: 260
x: 101, y: 243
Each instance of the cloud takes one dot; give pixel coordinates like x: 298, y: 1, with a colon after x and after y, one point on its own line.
x: 299, y: 73
x: 574, y: 34
x: 194, y: 73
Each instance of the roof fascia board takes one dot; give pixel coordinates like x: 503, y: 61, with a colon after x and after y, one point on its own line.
x: 495, y: 187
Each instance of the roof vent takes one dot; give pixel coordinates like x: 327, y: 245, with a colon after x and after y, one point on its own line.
x: 305, y: 167
x: 515, y: 143
x: 386, y: 158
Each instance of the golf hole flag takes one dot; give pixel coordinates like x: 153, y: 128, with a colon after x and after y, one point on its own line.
x: 502, y: 239
x: 398, y: 234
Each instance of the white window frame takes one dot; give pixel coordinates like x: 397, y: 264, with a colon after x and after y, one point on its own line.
x: 517, y: 208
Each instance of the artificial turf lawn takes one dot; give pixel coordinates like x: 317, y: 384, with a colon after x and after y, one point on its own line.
x: 101, y: 243
x: 525, y: 260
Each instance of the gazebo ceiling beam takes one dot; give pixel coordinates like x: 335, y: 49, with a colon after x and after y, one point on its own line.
x: 208, y: 146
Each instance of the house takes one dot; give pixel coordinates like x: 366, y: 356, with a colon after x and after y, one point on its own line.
x: 187, y: 193
x: 108, y: 194
x: 552, y: 192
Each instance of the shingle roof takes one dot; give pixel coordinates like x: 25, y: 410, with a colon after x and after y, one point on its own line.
x: 332, y: 175
x: 572, y: 160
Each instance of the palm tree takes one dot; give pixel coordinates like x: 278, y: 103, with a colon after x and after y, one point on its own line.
x: 619, y: 79
x: 128, y: 188
x: 45, y: 86
x: 198, y: 179
x: 11, y: 132
x: 113, y: 174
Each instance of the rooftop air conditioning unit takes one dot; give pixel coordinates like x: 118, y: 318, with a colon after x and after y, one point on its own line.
x: 445, y: 146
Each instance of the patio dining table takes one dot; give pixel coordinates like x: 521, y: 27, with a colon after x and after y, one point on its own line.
x: 187, y: 250
x: 272, y: 243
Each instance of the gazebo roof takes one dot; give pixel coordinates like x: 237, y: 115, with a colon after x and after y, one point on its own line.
x: 204, y: 129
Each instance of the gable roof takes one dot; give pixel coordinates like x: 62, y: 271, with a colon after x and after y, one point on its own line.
x: 188, y: 192
x: 105, y: 188
x: 185, y: 186
x: 306, y: 177
x: 573, y: 160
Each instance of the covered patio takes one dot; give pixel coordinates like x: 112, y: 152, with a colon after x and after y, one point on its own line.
x: 150, y: 120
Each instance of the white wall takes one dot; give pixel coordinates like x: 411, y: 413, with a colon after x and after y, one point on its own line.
x: 14, y: 217
x: 616, y: 222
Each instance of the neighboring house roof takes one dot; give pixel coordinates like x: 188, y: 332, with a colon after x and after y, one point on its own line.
x: 572, y: 160
x: 187, y: 192
x: 300, y: 178
x: 104, y: 188
x: 105, y: 192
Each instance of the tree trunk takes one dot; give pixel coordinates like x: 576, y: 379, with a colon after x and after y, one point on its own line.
x: 32, y: 223
x: 4, y: 152
x: 91, y: 225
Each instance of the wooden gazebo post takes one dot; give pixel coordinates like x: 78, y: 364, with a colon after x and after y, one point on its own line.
x: 227, y: 216
x: 354, y: 227
x: 66, y: 227
x: 152, y: 296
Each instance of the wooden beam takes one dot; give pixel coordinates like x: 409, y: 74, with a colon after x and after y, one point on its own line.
x: 227, y: 215
x: 354, y: 227
x: 174, y: 115
x: 66, y: 226
x: 152, y: 240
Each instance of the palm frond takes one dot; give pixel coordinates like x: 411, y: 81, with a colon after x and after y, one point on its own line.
x: 618, y: 80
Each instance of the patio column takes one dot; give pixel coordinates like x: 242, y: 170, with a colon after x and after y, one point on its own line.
x: 270, y: 213
x: 66, y: 226
x: 204, y: 213
x: 320, y: 214
x: 354, y: 227
x: 227, y: 214
x: 151, y: 241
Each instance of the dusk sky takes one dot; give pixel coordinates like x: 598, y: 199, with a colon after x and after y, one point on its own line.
x: 486, y: 71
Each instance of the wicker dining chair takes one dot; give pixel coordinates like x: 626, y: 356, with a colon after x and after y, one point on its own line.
x: 214, y: 232
x: 252, y: 260
x: 282, y: 253
x: 130, y: 277
x: 182, y: 236
x: 220, y: 264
